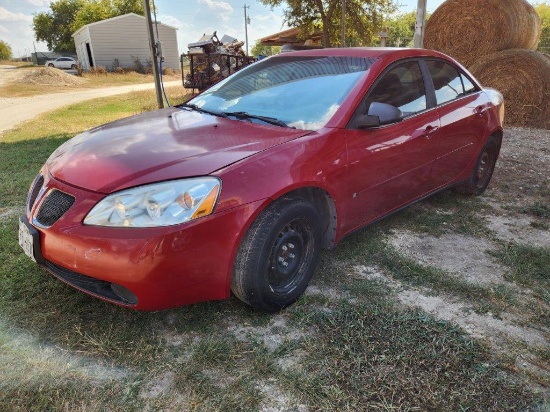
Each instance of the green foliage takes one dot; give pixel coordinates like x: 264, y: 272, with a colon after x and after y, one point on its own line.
x: 5, y: 50
x: 543, y: 9
x: 401, y: 29
x: 363, y: 18
x: 56, y: 26
x: 258, y: 49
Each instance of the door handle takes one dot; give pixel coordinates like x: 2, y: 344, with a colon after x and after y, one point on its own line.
x: 480, y: 110
x: 429, y: 131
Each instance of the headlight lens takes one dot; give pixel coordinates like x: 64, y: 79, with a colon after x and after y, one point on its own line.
x: 159, y: 204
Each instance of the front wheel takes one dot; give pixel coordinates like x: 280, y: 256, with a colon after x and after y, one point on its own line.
x: 73, y: 66
x: 278, y: 255
x: 50, y: 65
x: 483, y: 169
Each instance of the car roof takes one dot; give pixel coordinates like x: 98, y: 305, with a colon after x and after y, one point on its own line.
x: 369, y: 52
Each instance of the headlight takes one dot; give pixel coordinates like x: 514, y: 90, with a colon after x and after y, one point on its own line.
x: 159, y: 204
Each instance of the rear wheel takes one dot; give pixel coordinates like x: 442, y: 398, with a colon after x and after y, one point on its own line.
x: 483, y: 169
x: 278, y: 255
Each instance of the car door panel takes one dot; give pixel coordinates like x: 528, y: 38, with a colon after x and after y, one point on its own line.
x: 463, y: 128
x: 389, y: 167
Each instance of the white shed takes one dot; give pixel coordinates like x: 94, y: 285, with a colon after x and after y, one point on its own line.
x: 123, y: 39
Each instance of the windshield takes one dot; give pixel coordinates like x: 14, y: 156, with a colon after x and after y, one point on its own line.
x: 301, y: 92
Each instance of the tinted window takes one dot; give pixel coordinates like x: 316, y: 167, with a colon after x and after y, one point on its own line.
x: 446, y: 80
x: 401, y: 87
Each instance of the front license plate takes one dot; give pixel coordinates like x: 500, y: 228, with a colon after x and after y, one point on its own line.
x: 26, y: 240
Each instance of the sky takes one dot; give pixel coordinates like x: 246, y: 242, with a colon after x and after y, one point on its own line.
x: 192, y: 18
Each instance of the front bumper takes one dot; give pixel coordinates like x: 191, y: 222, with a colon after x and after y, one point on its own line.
x: 145, y: 268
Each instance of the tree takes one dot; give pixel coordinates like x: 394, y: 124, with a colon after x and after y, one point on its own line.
x: 56, y: 26
x: 364, y: 18
x: 401, y: 29
x: 5, y: 50
x: 260, y: 50
x: 543, y: 9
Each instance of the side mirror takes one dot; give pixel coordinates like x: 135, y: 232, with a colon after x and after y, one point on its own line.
x: 385, y: 112
x: 365, y: 121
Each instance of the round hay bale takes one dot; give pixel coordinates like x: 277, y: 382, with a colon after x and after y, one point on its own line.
x: 523, y: 77
x: 53, y: 77
x: 470, y: 29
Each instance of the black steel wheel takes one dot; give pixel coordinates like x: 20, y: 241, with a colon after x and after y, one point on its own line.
x: 278, y: 255
x: 483, y: 169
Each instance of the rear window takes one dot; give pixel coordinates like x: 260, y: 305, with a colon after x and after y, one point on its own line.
x: 446, y: 80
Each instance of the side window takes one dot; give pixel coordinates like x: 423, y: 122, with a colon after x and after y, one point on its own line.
x: 402, y: 87
x: 469, y: 87
x: 446, y: 79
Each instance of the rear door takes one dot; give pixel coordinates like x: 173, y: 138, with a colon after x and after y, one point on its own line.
x: 462, y: 109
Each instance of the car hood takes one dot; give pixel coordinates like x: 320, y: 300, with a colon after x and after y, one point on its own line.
x: 159, y: 145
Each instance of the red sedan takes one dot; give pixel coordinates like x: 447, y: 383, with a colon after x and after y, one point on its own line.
x: 241, y: 187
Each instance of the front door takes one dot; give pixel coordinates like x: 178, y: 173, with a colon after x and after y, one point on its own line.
x: 389, y: 166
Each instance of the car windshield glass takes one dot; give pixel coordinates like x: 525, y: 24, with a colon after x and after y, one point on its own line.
x: 301, y: 92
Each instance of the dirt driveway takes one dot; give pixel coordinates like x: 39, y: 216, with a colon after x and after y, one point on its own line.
x: 19, y: 109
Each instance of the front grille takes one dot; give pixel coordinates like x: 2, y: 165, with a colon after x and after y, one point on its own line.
x: 107, y: 290
x: 53, y: 207
x: 37, y: 185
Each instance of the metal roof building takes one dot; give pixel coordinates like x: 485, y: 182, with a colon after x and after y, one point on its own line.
x: 120, y: 41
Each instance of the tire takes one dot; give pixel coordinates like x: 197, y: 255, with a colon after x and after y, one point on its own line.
x: 278, y: 255
x: 73, y: 66
x: 483, y: 169
x: 50, y: 65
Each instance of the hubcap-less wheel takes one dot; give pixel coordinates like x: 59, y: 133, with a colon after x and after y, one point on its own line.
x: 278, y: 254
x: 485, y: 168
x: 292, y: 245
x: 50, y: 65
x: 482, y: 170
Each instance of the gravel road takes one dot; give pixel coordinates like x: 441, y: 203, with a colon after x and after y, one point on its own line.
x: 19, y: 109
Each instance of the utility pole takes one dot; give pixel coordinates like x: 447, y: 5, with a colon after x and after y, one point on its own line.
x: 344, y: 11
x: 246, y: 23
x: 153, y: 47
x: 420, y: 24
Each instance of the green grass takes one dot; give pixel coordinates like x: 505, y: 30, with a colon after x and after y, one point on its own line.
x: 538, y: 209
x: 370, y: 247
x: 374, y: 357
x: 529, y: 266
x: 63, y: 350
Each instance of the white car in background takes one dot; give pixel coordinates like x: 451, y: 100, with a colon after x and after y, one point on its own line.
x: 62, y: 63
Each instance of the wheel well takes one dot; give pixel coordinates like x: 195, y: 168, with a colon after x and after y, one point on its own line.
x: 323, y: 202
x: 499, y: 134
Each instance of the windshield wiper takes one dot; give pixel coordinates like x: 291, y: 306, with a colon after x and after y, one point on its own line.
x: 245, y: 115
x: 200, y: 109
